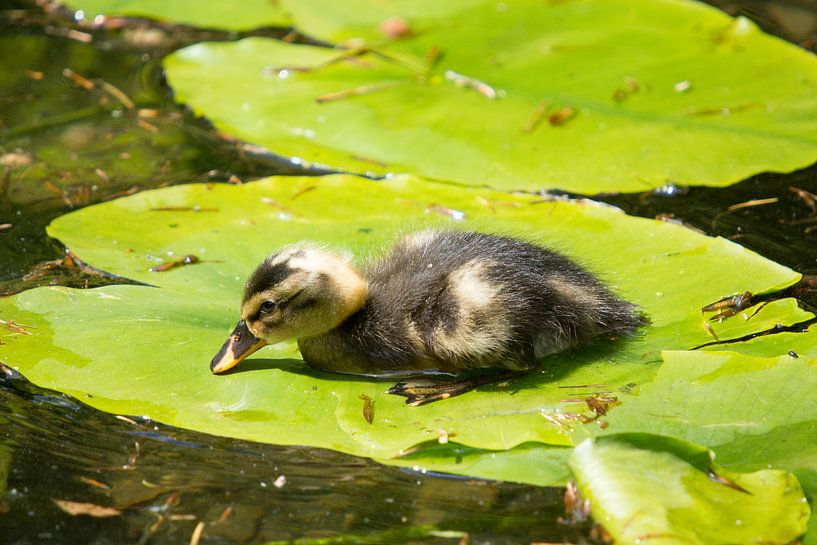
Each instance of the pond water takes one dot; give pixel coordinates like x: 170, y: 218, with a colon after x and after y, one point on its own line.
x: 65, y: 147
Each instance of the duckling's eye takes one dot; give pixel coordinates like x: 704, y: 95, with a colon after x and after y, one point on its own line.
x: 267, y: 307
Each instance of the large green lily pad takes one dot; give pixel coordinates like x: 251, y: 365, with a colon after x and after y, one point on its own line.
x: 145, y: 350
x: 647, y: 488
x: 649, y: 93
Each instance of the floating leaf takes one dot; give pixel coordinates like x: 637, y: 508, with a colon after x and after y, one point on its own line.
x: 588, y: 96
x: 752, y: 412
x: 648, y: 488
x: 244, y: 15
x: 143, y: 350
x: 532, y: 463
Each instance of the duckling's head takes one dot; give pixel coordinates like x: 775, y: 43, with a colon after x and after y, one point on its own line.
x: 300, y: 291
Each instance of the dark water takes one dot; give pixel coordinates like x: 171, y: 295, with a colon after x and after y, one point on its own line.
x: 75, y: 147
x: 61, y: 449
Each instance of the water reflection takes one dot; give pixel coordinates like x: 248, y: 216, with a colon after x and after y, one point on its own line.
x: 166, y: 480
x: 87, y: 122
x: 772, y: 214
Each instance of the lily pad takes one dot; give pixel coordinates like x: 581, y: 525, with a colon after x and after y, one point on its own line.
x: 647, y: 488
x: 531, y: 463
x: 752, y: 412
x: 587, y: 96
x: 145, y: 350
x: 245, y: 15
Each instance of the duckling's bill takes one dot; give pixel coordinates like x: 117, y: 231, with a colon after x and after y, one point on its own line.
x: 240, y: 344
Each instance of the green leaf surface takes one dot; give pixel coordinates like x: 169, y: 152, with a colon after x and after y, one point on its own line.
x: 531, y: 463
x: 811, y: 534
x: 143, y: 350
x: 662, y: 92
x: 244, y: 15
x: 647, y: 488
x: 752, y: 412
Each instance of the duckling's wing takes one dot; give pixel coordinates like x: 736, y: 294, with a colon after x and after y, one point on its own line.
x: 477, y: 300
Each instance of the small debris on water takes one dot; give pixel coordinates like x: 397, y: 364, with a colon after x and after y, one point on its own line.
x: 300, y: 192
x: 561, y: 116
x: 630, y: 87
x: 226, y: 514
x: 753, y: 202
x: 118, y: 94
x: 169, y: 265
x: 75, y: 508
x: 538, y: 115
x: 682, y: 86
x: 395, y: 28
x: 600, y: 404
x: 16, y: 159
x: 577, y: 510
x: 94, y: 483
x: 433, y: 56
x: 368, y: 160
x: 78, y: 80
x: 197, y: 532
x: 150, y: 127
x: 461, y: 80
x: 810, y: 199
x: 11, y: 325
x: 725, y: 110
x: 357, y: 91
x: 368, y: 408
x: 445, y: 211
x: 724, y: 481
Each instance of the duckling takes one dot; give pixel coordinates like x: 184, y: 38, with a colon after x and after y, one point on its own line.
x: 440, y: 302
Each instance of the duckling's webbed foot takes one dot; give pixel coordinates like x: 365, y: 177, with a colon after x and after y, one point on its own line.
x: 423, y: 391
